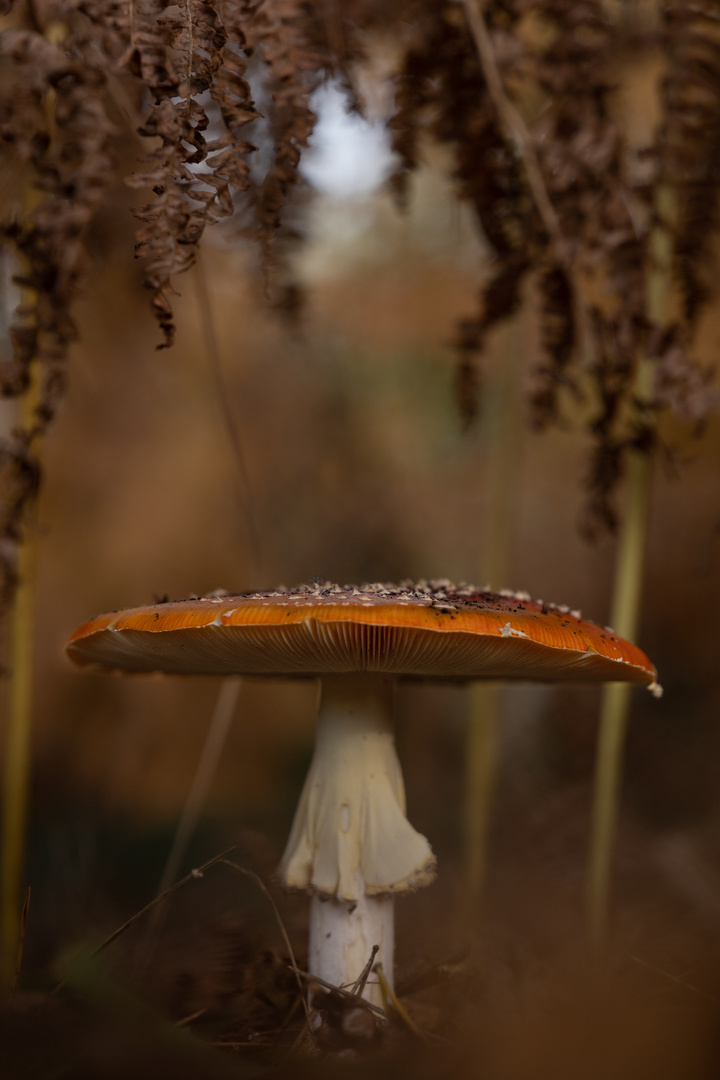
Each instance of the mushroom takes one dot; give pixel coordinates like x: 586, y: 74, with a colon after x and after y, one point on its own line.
x: 351, y: 846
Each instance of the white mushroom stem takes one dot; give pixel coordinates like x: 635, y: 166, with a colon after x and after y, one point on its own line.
x: 342, y: 936
x: 351, y: 845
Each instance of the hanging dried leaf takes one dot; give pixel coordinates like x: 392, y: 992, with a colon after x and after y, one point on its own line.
x: 442, y: 92
x: 551, y: 195
x: 54, y: 129
x: 291, y: 40
x: 178, y: 51
x: 558, y: 340
x: 690, y: 143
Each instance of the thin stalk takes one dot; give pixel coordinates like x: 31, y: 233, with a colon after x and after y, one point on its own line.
x: 481, y: 767
x: 21, y: 654
x: 227, y: 700
x: 243, y: 487
x: 195, y: 875
x: 515, y: 125
x: 21, y: 943
x: 504, y: 441
x: 624, y: 617
x: 229, y: 693
x: 212, y: 750
x: 615, y: 704
x: 17, y: 729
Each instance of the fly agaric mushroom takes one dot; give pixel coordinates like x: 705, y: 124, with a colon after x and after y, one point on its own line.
x: 351, y: 846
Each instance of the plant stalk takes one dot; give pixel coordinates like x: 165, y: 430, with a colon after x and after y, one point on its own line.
x: 502, y: 455
x: 627, y: 589
x: 17, y: 729
x: 615, y: 702
x: 213, y: 747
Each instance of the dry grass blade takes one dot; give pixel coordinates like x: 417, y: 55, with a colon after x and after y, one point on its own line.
x: 194, y: 875
x: 21, y: 942
x: 191, y: 1018
x: 215, y: 740
x: 674, y: 979
x: 266, y: 892
x: 392, y: 999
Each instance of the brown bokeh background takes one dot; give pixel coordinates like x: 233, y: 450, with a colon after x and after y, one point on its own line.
x: 356, y: 470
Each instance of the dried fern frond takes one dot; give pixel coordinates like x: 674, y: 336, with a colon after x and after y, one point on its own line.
x: 581, y: 150
x: 230, y: 88
x: 178, y: 52
x: 290, y: 37
x: 690, y: 141
x: 441, y: 91
x: 681, y: 383
x: 594, y: 263
x: 55, y: 130
x: 558, y: 341
x: 199, y: 66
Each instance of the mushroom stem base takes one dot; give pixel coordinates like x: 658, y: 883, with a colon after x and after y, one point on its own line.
x: 342, y: 935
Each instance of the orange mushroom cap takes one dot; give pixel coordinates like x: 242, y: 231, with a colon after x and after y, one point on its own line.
x: 426, y: 630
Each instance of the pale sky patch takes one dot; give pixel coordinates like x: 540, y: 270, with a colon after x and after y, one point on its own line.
x: 347, y: 156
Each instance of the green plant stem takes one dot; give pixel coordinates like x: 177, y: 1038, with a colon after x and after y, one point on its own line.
x: 21, y: 652
x: 615, y: 705
x: 624, y: 617
x: 502, y: 454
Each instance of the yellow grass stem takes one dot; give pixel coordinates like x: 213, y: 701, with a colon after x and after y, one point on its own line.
x: 503, y: 426
x: 615, y: 704
x: 18, y: 713
x: 391, y: 1000
x: 18, y: 716
x: 624, y: 616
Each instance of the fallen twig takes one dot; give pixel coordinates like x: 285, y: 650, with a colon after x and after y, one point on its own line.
x: 362, y: 978
x: 344, y: 993
x: 194, y: 875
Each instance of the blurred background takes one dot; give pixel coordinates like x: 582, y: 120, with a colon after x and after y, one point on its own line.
x: 354, y: 467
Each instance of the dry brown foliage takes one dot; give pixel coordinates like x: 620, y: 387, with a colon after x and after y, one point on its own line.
x: 193, y: 71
